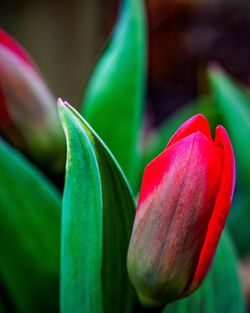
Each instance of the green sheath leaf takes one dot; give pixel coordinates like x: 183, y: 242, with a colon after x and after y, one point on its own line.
x: 29, y: 235
x: 234, y: 105
x: 98, y: 213
x: 114, y: 98
x: 221, y: 291
x: 81, y: 250
x: 239, y: 220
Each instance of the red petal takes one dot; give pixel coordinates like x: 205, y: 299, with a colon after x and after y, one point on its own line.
x: 221, y: 209
x: 196, y: 123
x: 155, y: 170
x: 13, y: 46
x: 153, y: 174
x: 174, y: 211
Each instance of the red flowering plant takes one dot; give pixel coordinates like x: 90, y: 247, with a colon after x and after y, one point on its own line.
x: 28, y: 116
x: 184, y: 201
x: 85, y: 247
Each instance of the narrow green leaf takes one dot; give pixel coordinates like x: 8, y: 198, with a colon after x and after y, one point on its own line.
x: 29, y: 235
x: 239, y: 221
x: 81, y: 255
x: 221, y: 291
x: 114, y: 99
x: 98, y: 212
x: 234, y: 105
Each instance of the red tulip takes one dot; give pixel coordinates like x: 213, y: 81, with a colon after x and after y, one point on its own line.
x: 28, y: 113
x: 184, y: 201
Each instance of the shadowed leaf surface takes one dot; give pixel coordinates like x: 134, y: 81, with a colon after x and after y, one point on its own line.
x: 29, y: 234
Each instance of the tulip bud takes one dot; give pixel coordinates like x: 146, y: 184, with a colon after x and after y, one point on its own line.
x: 28, y: 114
x: 184, y: 201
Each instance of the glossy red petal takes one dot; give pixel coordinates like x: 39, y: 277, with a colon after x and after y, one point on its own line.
x: 155, y: 170
x: 221, y: 208
x: 153, y: 174
x: 173, y: 215
x: 12, y: 45
x: 196, y: 123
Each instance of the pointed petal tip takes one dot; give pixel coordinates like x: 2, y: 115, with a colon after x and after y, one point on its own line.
x: 222, y: 139
x: 221, y: 131
x: 194, y: 124
x: 220, y: 134
x: 198, y: 119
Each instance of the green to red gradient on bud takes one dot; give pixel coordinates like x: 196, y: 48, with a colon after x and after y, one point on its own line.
x: 28, y: 115
x: 184, y: 201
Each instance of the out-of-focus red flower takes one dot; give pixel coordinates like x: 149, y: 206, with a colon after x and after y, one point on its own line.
x: 184, y: 201
x: 28, y: 114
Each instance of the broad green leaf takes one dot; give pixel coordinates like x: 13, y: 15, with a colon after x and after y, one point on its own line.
x: 29, y: 235
x: 98, y: 212
x: 113, y: 103
x: 221, y: 291
x: 234, y: 105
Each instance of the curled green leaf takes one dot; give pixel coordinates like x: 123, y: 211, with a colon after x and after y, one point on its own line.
x: 98, y: 212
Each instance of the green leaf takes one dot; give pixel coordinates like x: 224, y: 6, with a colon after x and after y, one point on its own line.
x: 29, y: 235
x: 239, y: 220
x: 221, y: 291
x: 98, y: 213
x: 234, y: 105
x: 113, y: 103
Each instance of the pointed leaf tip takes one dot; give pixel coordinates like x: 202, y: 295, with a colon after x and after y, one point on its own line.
x: 90, y: 166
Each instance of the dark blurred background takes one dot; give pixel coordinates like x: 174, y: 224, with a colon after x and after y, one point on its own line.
x: 66, y: 38
x: 63, y: 37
